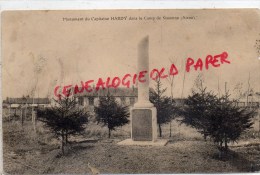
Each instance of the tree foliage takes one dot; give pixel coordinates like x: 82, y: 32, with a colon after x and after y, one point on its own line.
x: 109, y: 113
x: 163, y: 104
x: 217, y: 117
x: 197, y: 110
x: 229, y: 121
x: 64, y: 119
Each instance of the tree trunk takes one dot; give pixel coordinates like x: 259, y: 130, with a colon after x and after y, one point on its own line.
x: 22, y: 116
x: 34, y: 119
x: 160, y: 130
x: 32, y: 116
x: 25, y: 112
x: 34, y: 124
x: 62, y: 142
x: 204, y: 135
x: 179, y: 129
x: 171, y: 103
x: 220, y: 149
x: 226, y: 146
x: 109, y: 133
x: 221, y: 144
x: 66, y: 137
x: 170, y: 128
x: 9, y: 115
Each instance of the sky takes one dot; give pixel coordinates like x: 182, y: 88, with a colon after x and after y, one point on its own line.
x: 41, y: 50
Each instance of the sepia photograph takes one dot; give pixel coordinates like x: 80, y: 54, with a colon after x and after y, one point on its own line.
x: 157, y: 91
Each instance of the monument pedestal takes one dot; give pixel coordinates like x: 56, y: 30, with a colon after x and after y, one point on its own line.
x: 143, y: 124
x: 143, y: 128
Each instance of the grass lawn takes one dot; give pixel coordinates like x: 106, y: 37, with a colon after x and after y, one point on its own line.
x: 28, y: 153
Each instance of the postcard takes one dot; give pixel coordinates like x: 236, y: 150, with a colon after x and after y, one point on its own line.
x: 131, y: 91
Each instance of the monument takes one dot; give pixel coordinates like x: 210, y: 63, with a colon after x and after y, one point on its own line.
x: 143, y: 113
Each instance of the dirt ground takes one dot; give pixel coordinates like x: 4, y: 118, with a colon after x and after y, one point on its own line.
x: 26, y: 152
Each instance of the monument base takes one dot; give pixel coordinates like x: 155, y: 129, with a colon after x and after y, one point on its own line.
x: 143, y: 128
x: 130, y: 142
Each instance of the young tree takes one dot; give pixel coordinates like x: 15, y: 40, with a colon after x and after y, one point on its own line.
x: 170, y: 80
x: 217, y: 117
x: 39, y: 64
x: 198, y: 109
x: 163, y: 104
x: 23, y: 108
x: 228, y: 121
x: 64, y: 119
x: 111, y: 114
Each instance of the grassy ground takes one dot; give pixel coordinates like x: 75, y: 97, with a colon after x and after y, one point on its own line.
x: 26, y: 152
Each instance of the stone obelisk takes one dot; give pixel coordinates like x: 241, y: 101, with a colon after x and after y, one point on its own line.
x: 143, y: 65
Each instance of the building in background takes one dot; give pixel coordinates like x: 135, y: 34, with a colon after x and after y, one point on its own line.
x: 252, y: 100
x: 23, y: 106
x: 87, y: 100
x: 26, y: 101
x: 124, y: 96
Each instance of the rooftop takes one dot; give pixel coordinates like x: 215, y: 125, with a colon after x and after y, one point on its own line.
x: 25, y: 100
x: 116, y: 92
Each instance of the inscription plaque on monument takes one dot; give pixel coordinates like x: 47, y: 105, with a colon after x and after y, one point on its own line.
x: 142, y: 125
